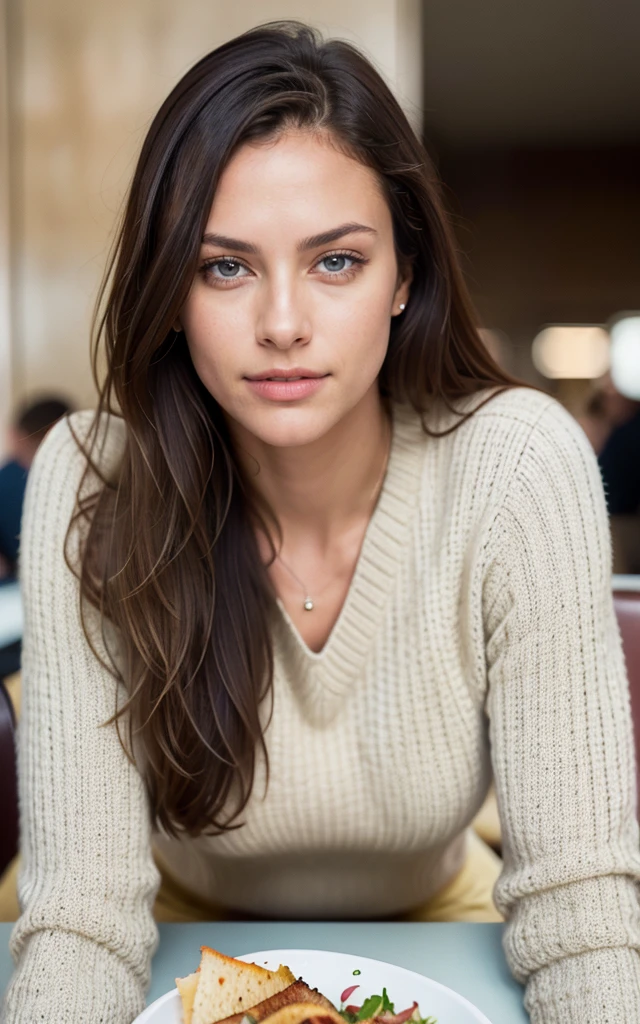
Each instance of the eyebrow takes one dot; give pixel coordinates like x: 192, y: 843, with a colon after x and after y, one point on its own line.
x: 312, y: 242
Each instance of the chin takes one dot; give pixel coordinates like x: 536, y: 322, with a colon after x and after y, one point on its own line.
x: 287, y: 426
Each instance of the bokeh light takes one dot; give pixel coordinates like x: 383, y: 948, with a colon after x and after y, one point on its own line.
x: 625, y: 355
x: 571, y: 352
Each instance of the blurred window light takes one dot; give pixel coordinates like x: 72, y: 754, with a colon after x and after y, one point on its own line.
x: 625, y: 355
x: 571, y: 352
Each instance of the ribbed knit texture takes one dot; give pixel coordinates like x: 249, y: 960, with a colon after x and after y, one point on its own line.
x: 478, y: 635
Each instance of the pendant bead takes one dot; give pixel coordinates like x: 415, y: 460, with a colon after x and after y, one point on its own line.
x: 308, y: 604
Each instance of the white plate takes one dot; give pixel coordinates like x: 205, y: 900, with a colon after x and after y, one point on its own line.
x: 332, y: 973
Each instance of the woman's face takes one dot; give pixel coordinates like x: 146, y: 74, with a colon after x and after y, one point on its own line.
x: 270, y: 297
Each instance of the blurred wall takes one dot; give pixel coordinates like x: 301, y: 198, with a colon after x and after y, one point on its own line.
x: 85, y: 79
x: 5, y: 206
x: 548, y: 235
x: 532, y: 112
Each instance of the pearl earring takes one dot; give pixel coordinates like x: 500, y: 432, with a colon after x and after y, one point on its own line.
x: 402, y: 305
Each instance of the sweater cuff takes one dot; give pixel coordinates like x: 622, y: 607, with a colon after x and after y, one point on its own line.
x: 601, y: 985
x: 65, y: 978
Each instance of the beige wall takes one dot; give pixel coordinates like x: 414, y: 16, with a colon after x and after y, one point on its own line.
x: 6, y: 372
x: 87, y: 79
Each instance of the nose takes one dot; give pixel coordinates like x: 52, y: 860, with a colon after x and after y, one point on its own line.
x: 283, y: 317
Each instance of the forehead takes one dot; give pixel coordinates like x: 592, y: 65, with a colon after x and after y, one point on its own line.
x: 300, y: 177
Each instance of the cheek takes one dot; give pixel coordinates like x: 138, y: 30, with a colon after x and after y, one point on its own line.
x: 208, y: 332
x: 365, y: 332
x: 201, y: 320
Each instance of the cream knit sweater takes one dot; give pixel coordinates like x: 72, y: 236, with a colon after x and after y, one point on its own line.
x: 478, y: 636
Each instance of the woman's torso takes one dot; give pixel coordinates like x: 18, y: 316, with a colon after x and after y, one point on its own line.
x: 378, y: 743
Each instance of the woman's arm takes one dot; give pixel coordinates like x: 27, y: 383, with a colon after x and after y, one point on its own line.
x: 561, y: 737
x: 84, y: 942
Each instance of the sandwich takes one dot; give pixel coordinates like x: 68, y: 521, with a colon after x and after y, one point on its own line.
x: 225, y: 991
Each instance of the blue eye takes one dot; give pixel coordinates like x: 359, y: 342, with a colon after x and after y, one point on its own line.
x: 331, y: 261
x: 228, y: 268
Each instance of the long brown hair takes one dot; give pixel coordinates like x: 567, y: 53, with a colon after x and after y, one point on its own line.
x: 169, y: 555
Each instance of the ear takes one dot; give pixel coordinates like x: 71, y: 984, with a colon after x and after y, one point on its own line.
x: 177, y: 326
x: 403, y: 286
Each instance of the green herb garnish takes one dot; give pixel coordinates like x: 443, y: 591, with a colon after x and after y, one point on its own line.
x: 374, y: 1006
x: 370, y: 1008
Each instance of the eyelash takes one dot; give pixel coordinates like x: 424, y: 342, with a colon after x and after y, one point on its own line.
x: 341, y: 274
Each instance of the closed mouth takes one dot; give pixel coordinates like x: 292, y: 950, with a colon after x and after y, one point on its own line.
x: 284, y: 380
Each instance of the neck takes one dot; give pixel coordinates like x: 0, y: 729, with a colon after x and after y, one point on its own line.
x: 323, y: 488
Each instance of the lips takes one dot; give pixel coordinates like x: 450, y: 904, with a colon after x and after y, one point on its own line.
x: 287, y: 390
x: 297, y: 373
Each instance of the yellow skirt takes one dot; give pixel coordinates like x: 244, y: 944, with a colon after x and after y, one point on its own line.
x: 468, y: 897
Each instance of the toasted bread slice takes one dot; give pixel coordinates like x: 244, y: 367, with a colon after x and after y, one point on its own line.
x: 227, y: 986
x: 299, y: 992
x: 304, y: 1013
x: 187, y: 989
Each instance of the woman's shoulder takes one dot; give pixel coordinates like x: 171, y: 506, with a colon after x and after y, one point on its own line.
x: 534, y: 421
x: 61, y: 473
x: 509, y: 409
x: 517, y: 419
x: 517, y: 441
x: 540, y: 457
x: 74, y: 439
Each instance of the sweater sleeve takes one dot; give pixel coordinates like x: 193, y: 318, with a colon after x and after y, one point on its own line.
x: 561, y: 737
x: 82, y: 946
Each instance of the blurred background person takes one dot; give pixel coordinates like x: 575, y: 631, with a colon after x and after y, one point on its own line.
x: 611, y: 421
x: 606, y: 411
x: 620, y: 468
x: 30, y: 424
x: 620, y: 465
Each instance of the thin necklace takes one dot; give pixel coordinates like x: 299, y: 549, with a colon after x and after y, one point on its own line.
x: 308, y: 604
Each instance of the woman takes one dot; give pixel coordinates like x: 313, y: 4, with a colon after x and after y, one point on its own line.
x: 334, y: 606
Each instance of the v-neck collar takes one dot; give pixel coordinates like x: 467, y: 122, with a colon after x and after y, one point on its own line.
x: 321, y: 678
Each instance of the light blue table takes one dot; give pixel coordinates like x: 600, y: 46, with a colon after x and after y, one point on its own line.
x: 466, y: 957
x: 11, y: 619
